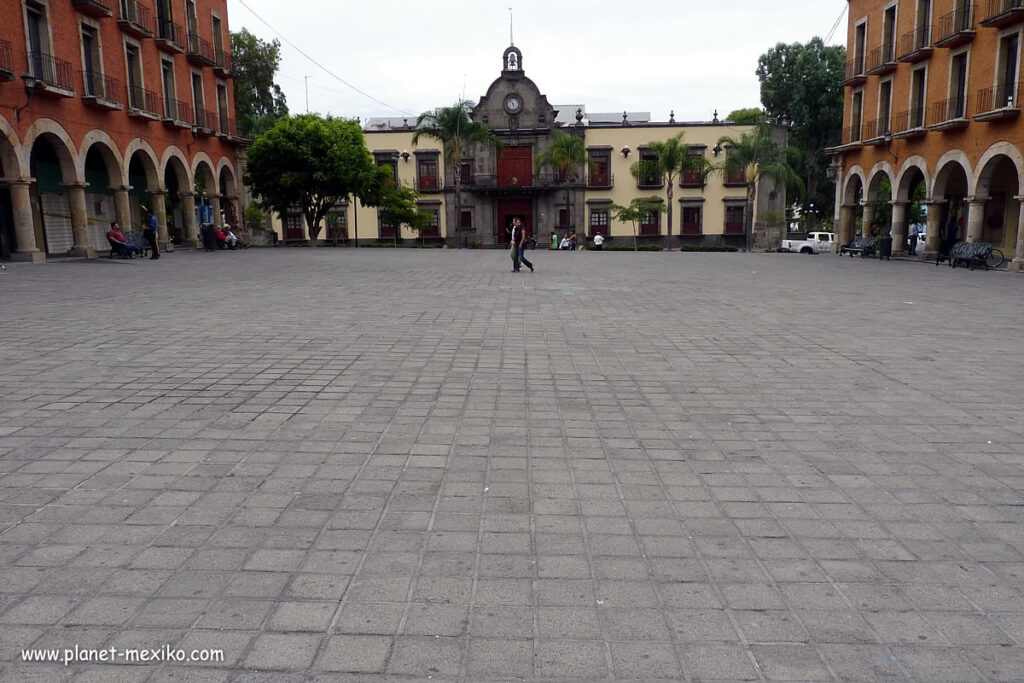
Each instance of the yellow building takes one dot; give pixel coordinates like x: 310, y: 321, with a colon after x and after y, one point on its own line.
x: 499, y: 186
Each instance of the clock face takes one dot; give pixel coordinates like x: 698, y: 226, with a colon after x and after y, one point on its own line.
x: 513, y: 104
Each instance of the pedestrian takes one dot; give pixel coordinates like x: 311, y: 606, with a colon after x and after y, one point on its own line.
x: 598, y: 241
x: 152, y: 233
x: 519, y: 246
x: 573, y: 241
x: 915, y: 232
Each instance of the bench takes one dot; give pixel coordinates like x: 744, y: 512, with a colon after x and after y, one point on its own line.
x: 969, y: 254
x: 117, y: 249
x: 865, y: 246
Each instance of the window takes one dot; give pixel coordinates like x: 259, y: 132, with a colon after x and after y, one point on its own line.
x: 199, y: 102
x: 694, y: 178
x: 693, y: 220
x: 191, y: 18
x: 859, y: 47
x: 133, y: 62
x: 39, y: 59
x: 1005, y: 94
x: 388, y: 230
x: 337, y: 225
x: 600, y: 162
x: 889, y: 35
x: 599, y: 222
x: 389, y: 159
x: 917, y: 95
x: 737, y: 176
x: 734, y: 219
x: 92, y: 64
x: 294, y: 227
x: 856, y: 113
x: 651, y: 224
x: 466, y: 172
x: 426, y: 173
x: 884, y: 108
x: 466, y: 220
x: 165, y: 21
x: 564, y: 220
x: 170, y: 97
x: 957, y: 107
x: 924, y: 19
x: 433, y: 227
x: 222, y: 109
x: 218, y: 40
x: 652, y: 178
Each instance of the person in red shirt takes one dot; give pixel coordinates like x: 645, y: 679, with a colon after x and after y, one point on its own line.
x: 127, y: 249
x: 222, y: 239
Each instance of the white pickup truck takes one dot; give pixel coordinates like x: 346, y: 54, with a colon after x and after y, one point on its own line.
x: 809, y: 243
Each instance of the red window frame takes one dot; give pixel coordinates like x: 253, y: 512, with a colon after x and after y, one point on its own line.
x: 426, y: 174
x: 651, y: 224
x: 599, y: 222
x: 692, y: 220
x: 734, y: 219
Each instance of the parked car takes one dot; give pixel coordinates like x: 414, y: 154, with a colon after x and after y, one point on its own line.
x: 809, y: 243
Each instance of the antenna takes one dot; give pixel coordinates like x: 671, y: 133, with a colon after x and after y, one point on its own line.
x: 510, y: 40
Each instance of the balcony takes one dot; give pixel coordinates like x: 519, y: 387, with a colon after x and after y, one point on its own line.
x: 142, y: 103
x: 200, y: 52
x: 909, y: 124
x: 537, y: 182
x: 948, y: 114
x: 207, y: 122
x: 1003, y: 13
x: 428, y: 183
x: 600, y: 181
x: 882, y: 60
x: 170, y: 36
x: 855, y: 72
x: 878, y: 130
x: 915, y: 46
x: 100, y: 91
x: 99, y: 9
x: 177, y: 113
x: 222, y: 62
x: 49, y: 75
x: 6, y: 61
x: 998, y: 103
x: 226, y: 125
x: 956, y: 28
x: 136, y: 19
x: 691, y: 179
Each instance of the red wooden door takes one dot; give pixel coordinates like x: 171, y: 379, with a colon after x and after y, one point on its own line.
x: 515, y: 167
x: 509, y: 209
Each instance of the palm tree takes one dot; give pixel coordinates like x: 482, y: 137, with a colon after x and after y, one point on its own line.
x: 455, y: 129
x: 672, y: 159
x: 757, y: 156
x: 565, y: 154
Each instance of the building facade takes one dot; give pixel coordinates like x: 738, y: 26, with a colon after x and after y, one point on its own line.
x: 932, y: 116
x: 107, y: 106
x: 498, y: 186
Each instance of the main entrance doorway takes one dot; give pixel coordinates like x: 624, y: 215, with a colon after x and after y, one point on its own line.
x: 509, y: 210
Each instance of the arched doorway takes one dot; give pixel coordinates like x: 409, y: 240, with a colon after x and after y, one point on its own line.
x: 51, y: 164
x: 101, y: 170
x: 994, y: 218
x: 877, y: 216
x: 229, y: 197
x: 850, y: 217
x: 8, y: 170
x: 947, y: 211
x: 910, y: 212
x: 145, y: 189
x: 207, y: 193
x: 177, y: 183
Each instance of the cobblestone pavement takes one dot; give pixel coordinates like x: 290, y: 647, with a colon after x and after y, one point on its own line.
x: 334, y: 464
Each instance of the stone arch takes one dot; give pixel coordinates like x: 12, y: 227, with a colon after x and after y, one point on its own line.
x: 148, y: 159
x: 70, y: 165
x: 107, y: 149
x: 202, y: 171
x: 10, y: 161
x: 883, y: 169
x: 980, y: 182
x: 903, y: 184
x: 176, y: 162
x: 855, y: 180
x: 945, y: 167
x: 226, y: 180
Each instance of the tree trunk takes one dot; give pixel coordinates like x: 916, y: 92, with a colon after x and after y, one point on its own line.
x: 313, y: 227
x: 748, y: 228
x: 669, y: 217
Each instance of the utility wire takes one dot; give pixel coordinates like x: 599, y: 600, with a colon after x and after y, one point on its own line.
x: 325, y: 69
x: 834, y: 26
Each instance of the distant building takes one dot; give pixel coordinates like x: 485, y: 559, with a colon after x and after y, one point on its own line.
x: 106, y: 105
x: 499, y: 187
x: 933, y: 98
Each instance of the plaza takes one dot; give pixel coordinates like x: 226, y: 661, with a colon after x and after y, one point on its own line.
x: 340, y: 464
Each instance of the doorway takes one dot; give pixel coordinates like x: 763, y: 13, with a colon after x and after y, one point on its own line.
x: 509, y: 210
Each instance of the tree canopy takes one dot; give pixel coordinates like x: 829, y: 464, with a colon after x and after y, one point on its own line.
x: 313, y: 164
x: 455, y: 129
x: 672, y: 158
x: 747, y: 116
x: 637, y: 210
x: 259, y: 101
x: 801, y: 84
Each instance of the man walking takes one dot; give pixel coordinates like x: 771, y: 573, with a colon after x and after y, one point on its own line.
x: 915, y: 231
x: 152, y: 233
x: 519, y: 246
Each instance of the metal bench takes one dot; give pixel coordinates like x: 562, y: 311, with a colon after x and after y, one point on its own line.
x: 969, y: 254
x: 865, y: 246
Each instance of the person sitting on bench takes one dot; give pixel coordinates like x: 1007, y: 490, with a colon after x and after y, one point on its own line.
x: 233, y: 240
x: 119, y: 243
x: 222, y: 239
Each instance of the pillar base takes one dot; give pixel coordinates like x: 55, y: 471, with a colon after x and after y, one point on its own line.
x: 83, y: 252
x: 1015, y: 264
x: 900, y: 253
x: 167, y: 246
x: 34, y: 256
x: 192, y: 243
x: 929, y: 256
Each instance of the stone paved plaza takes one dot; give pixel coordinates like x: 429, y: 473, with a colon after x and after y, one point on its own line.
x: 357, y: 465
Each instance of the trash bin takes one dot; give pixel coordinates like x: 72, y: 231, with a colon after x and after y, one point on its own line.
x: 885, y: 248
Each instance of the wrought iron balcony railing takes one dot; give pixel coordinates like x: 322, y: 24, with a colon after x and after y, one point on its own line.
x: 946, y: 111
x: 916, y: 45
x: 200, y: 51
x: 6, y: 60
x: 956, y: 28
x: 101, y: 86
x: 176, y: 111
x: 136, y: 19
x: 1000, y: 13
x: 1002, y: 96
x: 48, y: 70
x: 142, y: 101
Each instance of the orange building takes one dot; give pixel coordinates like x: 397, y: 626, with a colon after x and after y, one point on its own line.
x: 107, y: 105
x: 932, y: 97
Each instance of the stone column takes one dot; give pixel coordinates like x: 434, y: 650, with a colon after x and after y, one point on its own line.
x: 158, y: 199
x: 123, y: 208
x: 931, y: 243
x: 1018, y: 255
x: 24, y: 227
x: 845, y: 224
x: 79, y: 221
x: 218, y: 220
x: 975, y: 219
x: 899, y: 228
x: 188, y: 215
x: 867, y: 217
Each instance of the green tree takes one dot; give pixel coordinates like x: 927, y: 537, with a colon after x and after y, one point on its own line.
x: 259, y: 101
x: 398, y: 207
x: 672, y: 159
x: 751, y: 115
x: 456, y: 130
x: 801, y: 84
x: 757, y: 156
x: 639, y: 209
x: 566, y: 155
x: 314, y: 164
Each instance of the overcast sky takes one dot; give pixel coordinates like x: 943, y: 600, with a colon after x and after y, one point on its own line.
x: 691, y: 56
